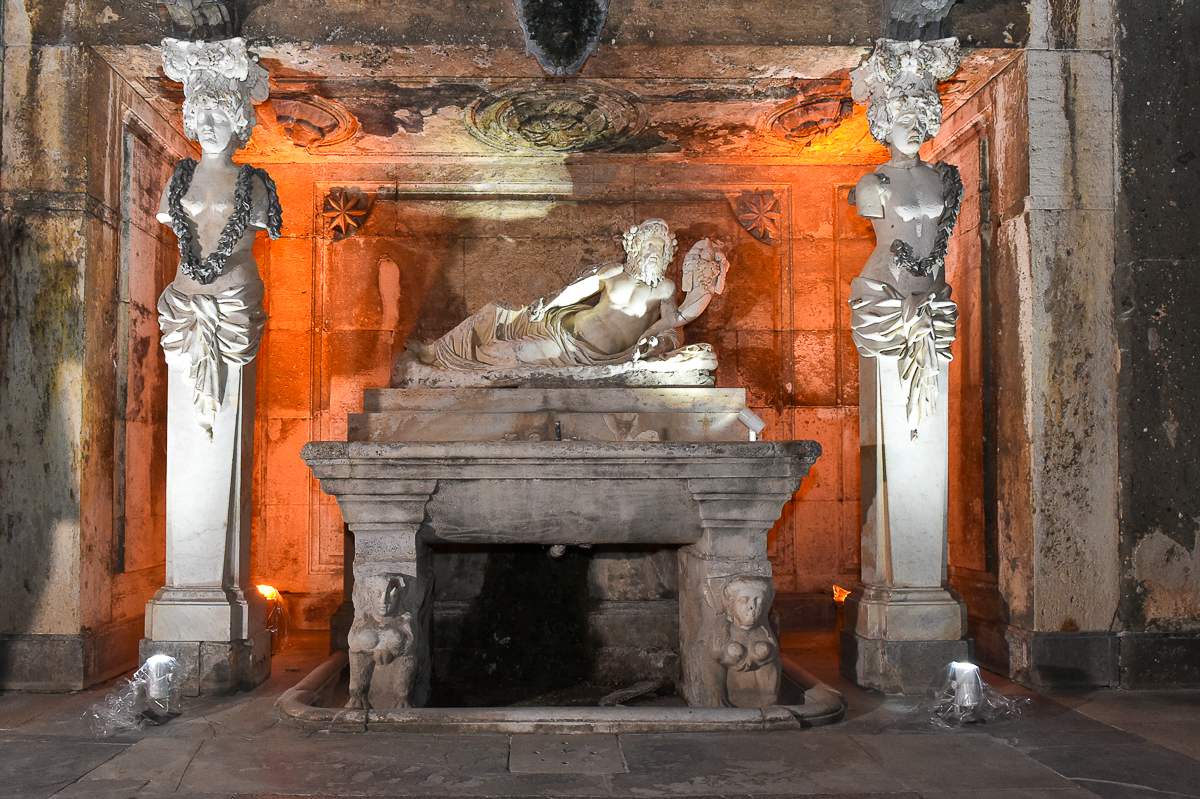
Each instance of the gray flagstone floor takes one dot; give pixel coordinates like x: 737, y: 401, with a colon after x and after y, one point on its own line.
x: 1112, y: 744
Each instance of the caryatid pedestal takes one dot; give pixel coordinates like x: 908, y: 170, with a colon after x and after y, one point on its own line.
x: 209, y: 616
x: 903, y: 622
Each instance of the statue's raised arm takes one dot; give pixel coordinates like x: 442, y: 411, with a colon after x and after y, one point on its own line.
x: 618, y: 323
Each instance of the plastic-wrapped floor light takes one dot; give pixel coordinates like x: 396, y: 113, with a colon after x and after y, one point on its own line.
x: 152, y: 696
x: 962, y: 697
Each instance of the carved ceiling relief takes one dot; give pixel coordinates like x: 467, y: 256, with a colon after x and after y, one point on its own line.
x: 819, y: 106
x: 203, y: 19
x: 582, y: 115
x: 314, y: 122
x: 561, y: 35
x: 345, y: 211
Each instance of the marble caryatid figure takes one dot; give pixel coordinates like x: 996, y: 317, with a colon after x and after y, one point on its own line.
x: 381, y: 642
x: 903, y: 323
x: 212, y: 322
x: 614, y: 318
x: 748, y: 648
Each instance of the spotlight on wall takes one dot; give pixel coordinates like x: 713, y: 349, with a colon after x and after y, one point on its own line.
x: 277, y: 618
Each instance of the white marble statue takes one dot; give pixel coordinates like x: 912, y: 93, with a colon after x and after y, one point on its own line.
x: 903, y: 323
x: 212, y: 322
x: 615, y: 318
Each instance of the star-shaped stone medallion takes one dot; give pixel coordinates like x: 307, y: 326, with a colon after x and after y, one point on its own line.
x: 344, y: 212
x: 759, y: 215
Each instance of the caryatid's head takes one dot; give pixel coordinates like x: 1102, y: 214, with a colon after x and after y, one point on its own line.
x: 221, y: 83
x: 899, y: 82
x: 747, y: 600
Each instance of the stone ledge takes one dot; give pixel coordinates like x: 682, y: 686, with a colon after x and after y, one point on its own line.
x: 58, y: 663
x: 1063, y: 659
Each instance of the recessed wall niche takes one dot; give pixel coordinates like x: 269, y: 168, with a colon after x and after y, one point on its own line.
x: 456, y: 221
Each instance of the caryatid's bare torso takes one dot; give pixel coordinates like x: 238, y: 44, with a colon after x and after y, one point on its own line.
x: 209, y: 203
x: 907, y: 207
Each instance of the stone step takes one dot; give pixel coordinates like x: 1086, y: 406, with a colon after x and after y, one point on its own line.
x: 577, y: 400
x: 407, y: 425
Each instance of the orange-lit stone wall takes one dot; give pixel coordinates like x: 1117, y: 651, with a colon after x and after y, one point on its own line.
x: 441, y: 241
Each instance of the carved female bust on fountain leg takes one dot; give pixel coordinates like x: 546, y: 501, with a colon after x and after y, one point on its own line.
x: 212, y: 322
x: 903, y: 617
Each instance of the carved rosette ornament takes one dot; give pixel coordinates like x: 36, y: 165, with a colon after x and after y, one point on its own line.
x: 566, y: 118
x: 759, y: 213
x: 345, y: 211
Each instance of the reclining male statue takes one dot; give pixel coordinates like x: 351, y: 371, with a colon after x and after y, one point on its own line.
x: 614, y: 318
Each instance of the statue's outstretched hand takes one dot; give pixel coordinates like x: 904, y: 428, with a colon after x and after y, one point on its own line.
x: 537, y: 311
x: 646, y: 347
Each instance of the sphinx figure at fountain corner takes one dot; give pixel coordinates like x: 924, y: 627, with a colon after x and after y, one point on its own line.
x: 381, y: 643
x: 616, y: 324
x: 744, y: 650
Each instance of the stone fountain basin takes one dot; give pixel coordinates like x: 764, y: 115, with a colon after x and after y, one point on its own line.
x: 805, y: 702
x: 562, y: 492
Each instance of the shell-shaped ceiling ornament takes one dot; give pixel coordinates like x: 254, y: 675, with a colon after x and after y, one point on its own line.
x: 564, y: 118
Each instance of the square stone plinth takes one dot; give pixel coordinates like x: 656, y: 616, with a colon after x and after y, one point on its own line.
x: 216, y: 667
x: 899, y: 667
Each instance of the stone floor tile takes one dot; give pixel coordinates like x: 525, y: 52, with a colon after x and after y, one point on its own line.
x: 37, y: 768
x: 962, y: 761
x: 565, y: 754
x: 1122, y: 708
x: 1127, y: 770
x: 17, y: 709
x: 374, y: 765
x: 103, y: 789
x: 1073, y: 792
x: 158, y: 761
x: 752, y: 763
x: 1180, y: 736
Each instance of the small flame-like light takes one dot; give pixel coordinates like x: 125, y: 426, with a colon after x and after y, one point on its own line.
x: 840, y: 594
x: 268, y: 592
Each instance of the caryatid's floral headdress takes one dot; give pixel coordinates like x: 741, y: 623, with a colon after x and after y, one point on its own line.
x: 221, y: 75
x: 903, y: 76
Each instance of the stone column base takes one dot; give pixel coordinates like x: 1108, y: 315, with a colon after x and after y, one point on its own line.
x: 898, y: 667
x: 216, y: 667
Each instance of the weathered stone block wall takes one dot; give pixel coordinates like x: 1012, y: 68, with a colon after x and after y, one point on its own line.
x: 987, y: 139
x: 1156, y: 283
x: 72, y: 614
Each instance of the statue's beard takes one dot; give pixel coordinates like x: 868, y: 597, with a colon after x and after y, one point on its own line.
x: 647, y: 269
